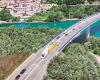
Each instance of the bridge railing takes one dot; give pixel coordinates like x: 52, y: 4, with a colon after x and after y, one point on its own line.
x: 86, y: 26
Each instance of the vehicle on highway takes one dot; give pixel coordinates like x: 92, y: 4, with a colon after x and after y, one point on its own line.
x: 50, y: 48
x: 66, y: 34
x: 45, y: 52
x: 73, y: 28
x: 22, y: 72
x: 17, y: 77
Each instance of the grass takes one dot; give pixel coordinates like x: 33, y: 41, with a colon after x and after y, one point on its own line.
x: 10, y: 63
x: 38, y: 17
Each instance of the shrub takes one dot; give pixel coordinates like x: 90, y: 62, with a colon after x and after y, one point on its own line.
x: 55, y: 16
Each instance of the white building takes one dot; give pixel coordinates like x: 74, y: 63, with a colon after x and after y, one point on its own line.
x: 24, y: 8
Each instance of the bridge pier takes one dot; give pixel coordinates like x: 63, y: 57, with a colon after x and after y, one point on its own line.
x: 88, y: 32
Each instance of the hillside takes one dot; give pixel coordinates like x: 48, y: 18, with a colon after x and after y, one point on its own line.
x: 76, y: 63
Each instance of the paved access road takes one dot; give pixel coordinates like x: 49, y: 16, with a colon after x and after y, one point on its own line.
x: 36, y: 65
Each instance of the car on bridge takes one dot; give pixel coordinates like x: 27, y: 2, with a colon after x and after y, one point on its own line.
x: 23, y: 71
x: 17, y: 77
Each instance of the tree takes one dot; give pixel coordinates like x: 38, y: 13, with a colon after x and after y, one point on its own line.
x: 5, y: 15
x: 55, y: 16
x: 15, y: 19
x: 90, y: 1
x: 73, y: 2
x: 67, y: 2
x: 93, y: 44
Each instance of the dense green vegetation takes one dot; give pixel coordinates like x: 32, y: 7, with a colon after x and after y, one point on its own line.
x: 24, y: 40
x: 93, y: 45
x: 42, y: 16
x: 6, y: 16
x: 64, y: 11
x: 55, y: 16
x: 75, y: 64
x: 15, y: 19
x: 69, y: 2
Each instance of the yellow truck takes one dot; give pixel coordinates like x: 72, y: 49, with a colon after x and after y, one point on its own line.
x: 52, y: 46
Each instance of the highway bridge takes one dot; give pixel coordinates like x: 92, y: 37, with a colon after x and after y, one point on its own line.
x: 35, y: 66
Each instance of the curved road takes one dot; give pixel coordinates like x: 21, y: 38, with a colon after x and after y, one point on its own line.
x: 35, y: 66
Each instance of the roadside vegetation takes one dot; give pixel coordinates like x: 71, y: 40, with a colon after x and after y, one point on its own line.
x: 16, y: 44
x: 76, y: 63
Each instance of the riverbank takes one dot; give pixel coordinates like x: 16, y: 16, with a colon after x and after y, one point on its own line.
x: 65, y: 19
x: 2, y: 22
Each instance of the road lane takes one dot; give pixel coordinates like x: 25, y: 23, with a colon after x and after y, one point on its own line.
x: 33, y: 58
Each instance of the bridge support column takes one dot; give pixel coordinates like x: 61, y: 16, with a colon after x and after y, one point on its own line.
x: 88, y: 32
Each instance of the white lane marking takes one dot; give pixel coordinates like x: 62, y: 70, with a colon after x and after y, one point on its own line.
x: 16, y: 71
x: 30, y: 68
x: 34, y: 69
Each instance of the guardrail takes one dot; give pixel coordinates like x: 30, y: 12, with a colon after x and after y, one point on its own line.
x: 54, y: 37
x: 64, y: 45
